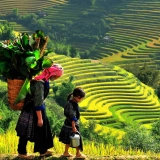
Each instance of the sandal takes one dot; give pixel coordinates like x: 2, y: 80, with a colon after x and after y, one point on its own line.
x: 48, y: 153
x: 82, y: 156
x: 67, y: 155
x: 23, y: 156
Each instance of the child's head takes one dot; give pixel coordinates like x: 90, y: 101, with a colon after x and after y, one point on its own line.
x: 78, y: 94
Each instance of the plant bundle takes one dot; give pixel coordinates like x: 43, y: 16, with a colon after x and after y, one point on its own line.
x: 24, y: 56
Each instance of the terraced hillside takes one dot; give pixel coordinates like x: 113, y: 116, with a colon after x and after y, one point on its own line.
x: 26, y: 6
x: 114, y: 96
x: 136, y: 32
x: 134, y: 27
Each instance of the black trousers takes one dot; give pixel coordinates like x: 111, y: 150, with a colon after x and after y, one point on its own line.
x: 42, y: 137
x: 23, y: 144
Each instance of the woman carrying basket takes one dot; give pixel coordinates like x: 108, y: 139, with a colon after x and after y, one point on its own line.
x: 33, y: 124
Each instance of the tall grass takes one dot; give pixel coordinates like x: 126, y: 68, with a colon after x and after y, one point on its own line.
x: 9, y: 143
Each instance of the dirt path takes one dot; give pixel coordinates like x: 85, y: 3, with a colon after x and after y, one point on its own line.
x: 58, y: 157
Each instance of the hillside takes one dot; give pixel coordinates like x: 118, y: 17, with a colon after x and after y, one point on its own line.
x: 115, y: 97
x: 132, y: 24
x: 136, y: 34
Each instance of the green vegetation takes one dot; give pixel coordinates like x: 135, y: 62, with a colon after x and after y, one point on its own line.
x: 137, y: 137
x: 24, y: 57
x: 114, y: 97
x: 61, y: 92
x: 88, y: 26
x: 144, y: 73
x: 6, y: 31
x: 119, y: 105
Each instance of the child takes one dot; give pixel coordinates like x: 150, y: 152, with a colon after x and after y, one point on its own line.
x: 71, y: 123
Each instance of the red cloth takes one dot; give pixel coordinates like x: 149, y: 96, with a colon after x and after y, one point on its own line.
x: 54, y: 70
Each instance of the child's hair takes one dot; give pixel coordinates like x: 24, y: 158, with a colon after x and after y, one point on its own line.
x: 77, y: 92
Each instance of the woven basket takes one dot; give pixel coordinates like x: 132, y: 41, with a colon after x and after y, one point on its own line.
x: 14, y: 87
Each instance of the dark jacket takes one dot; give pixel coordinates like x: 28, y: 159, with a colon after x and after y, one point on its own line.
x: 72, y: 113
x: 26, y: 122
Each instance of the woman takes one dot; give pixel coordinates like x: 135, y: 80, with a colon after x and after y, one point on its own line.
x: 33, y: 123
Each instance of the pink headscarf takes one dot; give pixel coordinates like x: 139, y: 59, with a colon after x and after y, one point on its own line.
x: 54, y: 70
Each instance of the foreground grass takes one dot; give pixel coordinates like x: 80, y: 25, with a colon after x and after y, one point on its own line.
x: 9, y: 142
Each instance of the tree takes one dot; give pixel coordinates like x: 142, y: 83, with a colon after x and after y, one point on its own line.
x: 155, y: 131
x: 93, y: 2
x: 15, y: 12
x: 5, y: 30
x: 157, y: 91
x: 73, y: 52
x: 55, y: 122
x: 61, y: 92
x: 137, y: 137
x: 144, y: 73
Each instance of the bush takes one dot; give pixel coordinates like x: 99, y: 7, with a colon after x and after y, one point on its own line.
x: 89, y: 134
x: 145, y: 74
x: 61, y: 92
x: 138, y: 138
x: 8, y: 118
x: 157, y: 91
x: 155, y: 131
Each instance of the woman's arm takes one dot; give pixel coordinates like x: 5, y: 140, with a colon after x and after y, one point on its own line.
x: 38, y: 98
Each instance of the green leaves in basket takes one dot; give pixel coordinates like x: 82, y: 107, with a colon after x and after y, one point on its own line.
x: 24, y: 56
x: 23, y: 92
x: 6, y: 52
x: 23, y: 70
x: 25, y: 40
x: 4, y: 67
x: 47, y: 63
x: 30, y: 60
x: 36, y: 53
x: 40, y: 34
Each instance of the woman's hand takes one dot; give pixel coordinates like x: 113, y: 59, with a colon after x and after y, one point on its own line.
x: 40, y: 119
x: 40, y: 122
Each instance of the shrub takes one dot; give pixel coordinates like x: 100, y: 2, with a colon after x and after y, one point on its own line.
x: 145, y: 74
x: 61, y: 92
x: 155, y: 131
x: 88, y: 132
x: 138, y: 138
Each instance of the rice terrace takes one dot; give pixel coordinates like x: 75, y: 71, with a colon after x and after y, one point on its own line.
x: 110, y: 48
